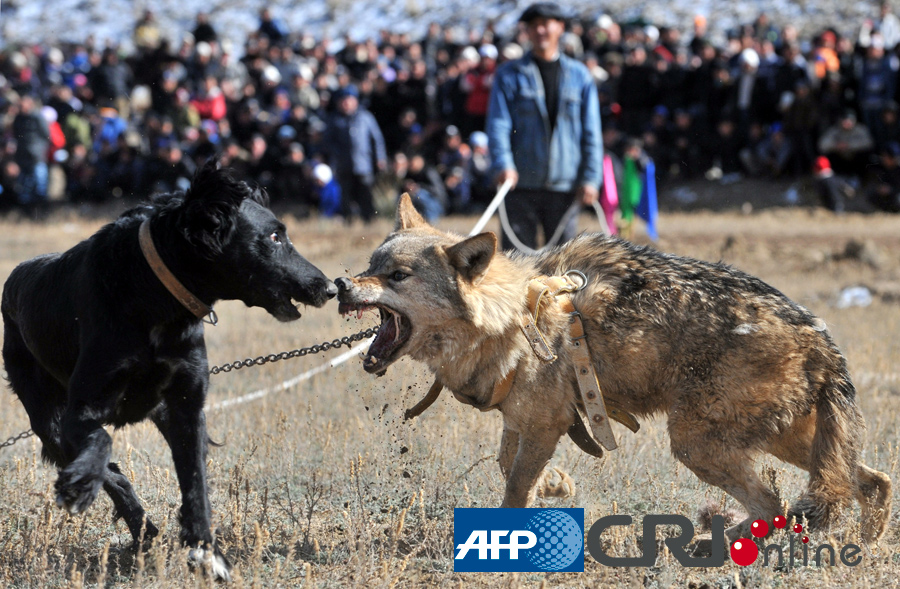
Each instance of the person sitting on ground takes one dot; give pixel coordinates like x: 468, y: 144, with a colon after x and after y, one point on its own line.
x: 833, y: 190
x: 328, y: 191
x: 847, y: 144
x: 884, y: 193
x: 424, y: 185
x: 773, y: 154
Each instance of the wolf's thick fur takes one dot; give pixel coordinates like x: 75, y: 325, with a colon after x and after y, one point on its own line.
x: 736, y: 366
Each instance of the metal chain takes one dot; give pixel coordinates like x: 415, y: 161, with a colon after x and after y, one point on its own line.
x: 13, y: 439
x: 238, y: 364
x: 315, y: 349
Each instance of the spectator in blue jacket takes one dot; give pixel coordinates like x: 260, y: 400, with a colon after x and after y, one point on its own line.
x: 355, y: 148
x: 272, y: 28
x: 543, y: 126
x: 877, y: 80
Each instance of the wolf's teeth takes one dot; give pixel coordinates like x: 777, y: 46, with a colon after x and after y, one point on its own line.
x: 371, y: 361
x: 396, y: 327
x: 359, y: 313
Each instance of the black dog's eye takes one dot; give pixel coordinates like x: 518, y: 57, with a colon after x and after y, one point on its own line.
x: 275, y: 238
x: 398, y: 276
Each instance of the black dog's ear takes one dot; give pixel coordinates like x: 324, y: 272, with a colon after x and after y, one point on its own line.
x: 210, y: 207
x: 472, y: 256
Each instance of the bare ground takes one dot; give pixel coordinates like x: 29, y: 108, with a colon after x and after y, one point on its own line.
x: 324, y: 484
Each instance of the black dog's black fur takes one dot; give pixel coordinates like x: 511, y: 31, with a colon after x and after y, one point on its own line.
x: 92, y: 337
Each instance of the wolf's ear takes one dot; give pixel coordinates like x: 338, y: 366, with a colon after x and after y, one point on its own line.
x: 472, y: 257
x: 407, y: 215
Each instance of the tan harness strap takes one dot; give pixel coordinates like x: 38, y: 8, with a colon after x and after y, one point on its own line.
x: 578, y: 433
x: 427, y: 401
x: 536, y: 291
x: 501, y: 390
x: 591, y: 395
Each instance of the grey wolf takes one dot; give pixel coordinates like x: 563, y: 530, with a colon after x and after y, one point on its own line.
x: 738, y: 369
x: 92, y: 337
x: 543, y: 121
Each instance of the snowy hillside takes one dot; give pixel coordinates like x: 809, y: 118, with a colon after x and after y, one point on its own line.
x: 73, y: 20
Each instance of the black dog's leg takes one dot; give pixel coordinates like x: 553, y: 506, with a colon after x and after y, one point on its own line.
x: 117, y: 486
x: 87, y: 447
x: 183, y: 425
x: 79, y: 447
x: 43, y: 398
x: 93, y: 393
x: 127, y: 505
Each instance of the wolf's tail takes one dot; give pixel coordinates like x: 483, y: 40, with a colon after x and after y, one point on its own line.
x: 834, y: 456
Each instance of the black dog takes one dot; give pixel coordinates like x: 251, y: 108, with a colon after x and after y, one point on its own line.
x: 110, y: 332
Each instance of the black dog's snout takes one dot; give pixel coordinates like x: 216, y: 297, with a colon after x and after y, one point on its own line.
x: 331, y: 290
x: 343, y: 284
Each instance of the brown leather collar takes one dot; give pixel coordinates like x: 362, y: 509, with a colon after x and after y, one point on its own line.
x: 200, y: 309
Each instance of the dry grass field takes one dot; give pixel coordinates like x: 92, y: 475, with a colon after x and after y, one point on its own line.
x: 325, y: 485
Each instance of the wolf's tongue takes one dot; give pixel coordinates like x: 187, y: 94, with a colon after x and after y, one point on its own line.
x: 385, y: 339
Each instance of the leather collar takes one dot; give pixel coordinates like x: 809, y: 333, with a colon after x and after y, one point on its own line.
x: 190, y: 302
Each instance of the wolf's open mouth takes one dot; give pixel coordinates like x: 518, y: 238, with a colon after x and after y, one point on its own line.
x: 394, y: 331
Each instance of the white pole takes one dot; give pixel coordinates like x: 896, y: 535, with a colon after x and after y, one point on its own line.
x: 488, y: 212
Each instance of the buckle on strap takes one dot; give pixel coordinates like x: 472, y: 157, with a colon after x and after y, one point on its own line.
x: 538, y: 288
x: 580, y: 280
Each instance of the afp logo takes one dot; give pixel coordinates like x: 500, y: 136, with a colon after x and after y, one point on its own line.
x: 518, y: 540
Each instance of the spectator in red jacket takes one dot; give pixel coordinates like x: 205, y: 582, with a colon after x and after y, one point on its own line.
x: 57, y: 137
x: 477, y: 83
x: 210, y: 100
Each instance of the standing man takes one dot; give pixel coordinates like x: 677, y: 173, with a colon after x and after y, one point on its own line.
x: 543, y: 124
x: 32, y: 135
x: 355, y: 149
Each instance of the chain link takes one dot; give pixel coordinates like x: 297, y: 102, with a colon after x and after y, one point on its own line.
x: 348, y: 341
x: 13, y: 439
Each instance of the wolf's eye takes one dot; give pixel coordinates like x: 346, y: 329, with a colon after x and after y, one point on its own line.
x: 275, y: 238
x: 398, y: 276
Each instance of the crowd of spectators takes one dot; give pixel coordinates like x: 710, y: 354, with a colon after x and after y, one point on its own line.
x: 86, y: 123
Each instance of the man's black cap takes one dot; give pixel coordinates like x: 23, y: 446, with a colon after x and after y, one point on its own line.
x: 543, y: 10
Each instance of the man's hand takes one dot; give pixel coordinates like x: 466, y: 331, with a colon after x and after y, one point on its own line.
x: 588, y: 194
x: 507, y: 175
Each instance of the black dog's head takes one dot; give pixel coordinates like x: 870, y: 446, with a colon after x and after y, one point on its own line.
x: 243, y: 249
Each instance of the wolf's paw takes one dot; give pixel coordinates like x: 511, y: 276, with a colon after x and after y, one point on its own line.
x: 701, y: 546
x: 556, y: 483
x: 77, y: 487
x: 211, y: 560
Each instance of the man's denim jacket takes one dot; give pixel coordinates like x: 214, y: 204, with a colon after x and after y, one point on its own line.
x: 518, y: 127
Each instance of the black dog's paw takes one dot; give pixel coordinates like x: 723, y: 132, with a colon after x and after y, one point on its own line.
x: 77, y: 487
x: 144, y: 541
x: 212, y: 560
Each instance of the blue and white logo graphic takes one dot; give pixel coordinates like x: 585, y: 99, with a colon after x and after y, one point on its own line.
x: 560, y: 540
x: 518, y: 540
